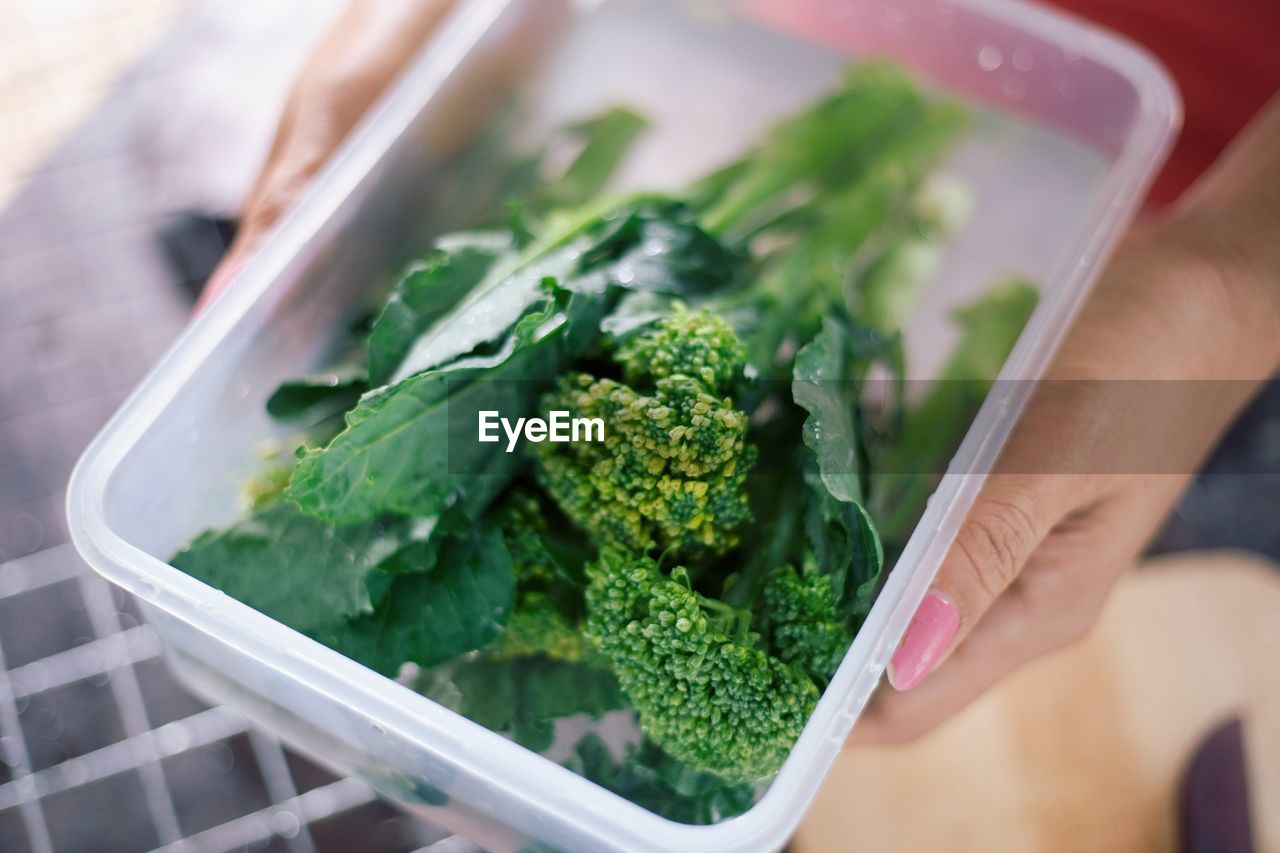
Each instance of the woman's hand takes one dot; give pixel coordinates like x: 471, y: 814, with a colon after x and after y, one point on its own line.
x: 360, y: 56
x: 1188, y: 312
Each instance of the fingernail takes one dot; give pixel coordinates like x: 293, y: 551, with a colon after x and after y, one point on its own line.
x: 927, y: 638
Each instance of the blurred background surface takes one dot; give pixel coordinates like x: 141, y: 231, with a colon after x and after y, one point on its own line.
x: 129, y: 131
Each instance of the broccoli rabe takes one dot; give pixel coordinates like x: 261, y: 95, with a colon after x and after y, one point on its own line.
x: 578, y: 578
x: 537, y: 625
x: 701, y: 687
x: 672, y: 468
x: 806, y: 626
x: 548, y: 612
x: 698, y: 344
x: 650, y: 778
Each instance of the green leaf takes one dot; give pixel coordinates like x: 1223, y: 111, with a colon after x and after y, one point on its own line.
x: 605, y: 141
x: 659, y: 247
x: 823, y: 385
x: 585, y: 253
x: 821, y: 149
x: 636, y: 311
x: 846, y: 546
x: 488, y: 313
x: 653, y: 780
x: 292, y: 567
x: 826, y: 384
x: 318, y: 396
x: 426, y: 291
x: 427, y: 617
x: 931, y: 430
x: 411, y: 448
x: 848, y: 211
x: 523, y: 697
x: 841, y: 535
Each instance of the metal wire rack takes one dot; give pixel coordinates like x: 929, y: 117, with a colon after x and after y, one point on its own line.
x: 100, y: 749
x: 103, y: 751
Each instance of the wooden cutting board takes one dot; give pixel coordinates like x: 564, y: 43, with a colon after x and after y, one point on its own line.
x: 1082, y: 751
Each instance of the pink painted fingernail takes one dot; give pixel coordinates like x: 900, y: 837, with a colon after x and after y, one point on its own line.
x: 927, y: 638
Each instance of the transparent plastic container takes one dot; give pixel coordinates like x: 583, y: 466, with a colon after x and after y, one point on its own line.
x: 1072, y: 123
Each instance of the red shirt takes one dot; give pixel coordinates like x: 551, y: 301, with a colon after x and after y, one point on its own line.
x: 1225, y: 57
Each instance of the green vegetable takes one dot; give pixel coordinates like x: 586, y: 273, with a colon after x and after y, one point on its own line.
x: 290, y: 566
x: 989, y: 326
x: 701, y: 689
x: 705, y: 565
x: 426, y: 292
x: 605, y: 141
x: 549, y: 609
x: 522, y: 697
x: 381, y: 463
x: 319, y: 396
x: 654, y: 780
x: 674, y: 460
x: 807, y: 626
x: 434, y: 612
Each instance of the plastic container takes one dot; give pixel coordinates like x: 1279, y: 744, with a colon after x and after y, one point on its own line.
x: 1073, y: 124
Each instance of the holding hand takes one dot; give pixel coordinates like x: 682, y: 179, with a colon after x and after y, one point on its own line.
x: 1190, y: 309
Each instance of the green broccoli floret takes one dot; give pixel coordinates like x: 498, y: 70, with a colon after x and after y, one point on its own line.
x: 547, y: 616
x: 672, y: 467
x: 802, y: 616
x: 700, y: 687
x: 699, y: 344
x: 538, y: 626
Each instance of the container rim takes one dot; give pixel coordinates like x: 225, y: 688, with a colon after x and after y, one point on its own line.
x: 525, y: 775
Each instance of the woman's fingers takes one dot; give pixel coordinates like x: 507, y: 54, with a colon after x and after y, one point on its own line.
x: 1006, y: 523
x: 1052, y: 603
x: 995, y: 647
x: 356, y: 61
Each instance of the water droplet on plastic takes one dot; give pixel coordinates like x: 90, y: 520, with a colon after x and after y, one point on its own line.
x: 990, y: 58
x: 173, y: 738
x: 145, y: 588
x: 76, y: 772
x: 286, y: 824
x: 1022, y: 59
x: 92, y: 662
